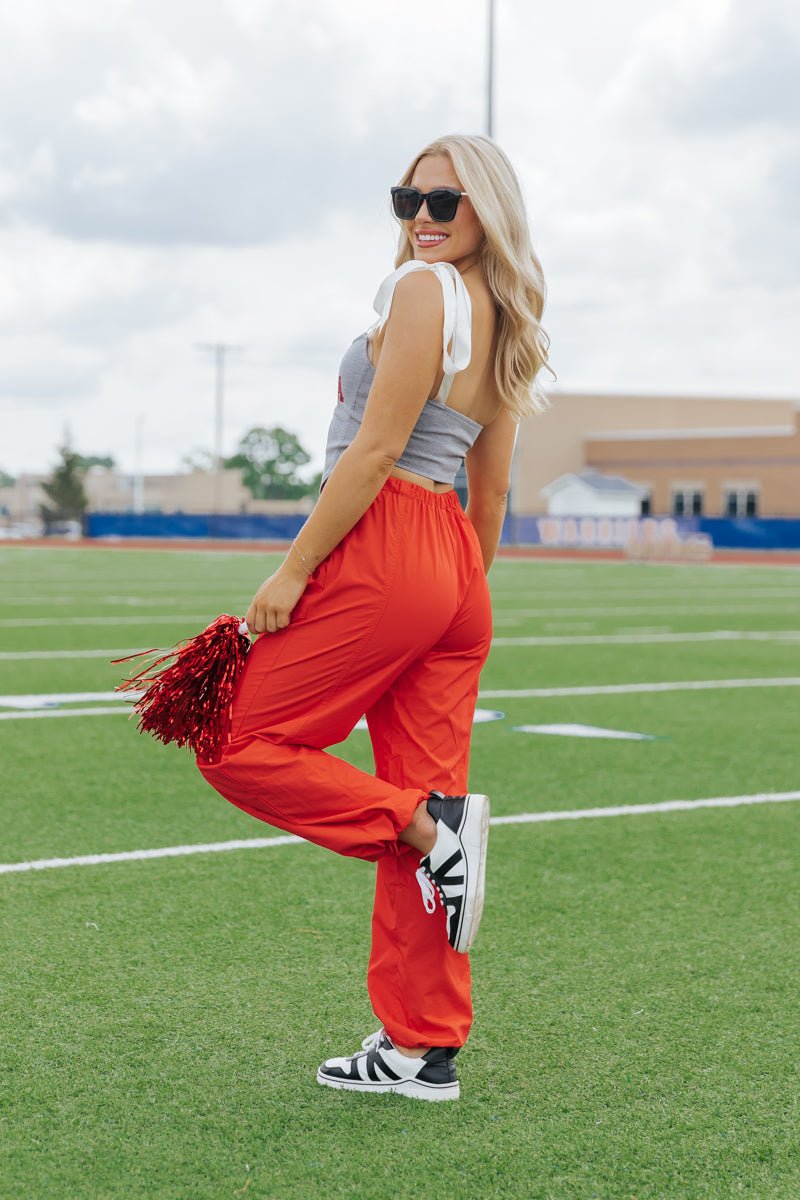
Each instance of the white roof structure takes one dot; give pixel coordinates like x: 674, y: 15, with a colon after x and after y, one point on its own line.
x: 604, y: 485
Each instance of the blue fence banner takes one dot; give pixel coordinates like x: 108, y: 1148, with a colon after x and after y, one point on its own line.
x: 630, y: 533
x: 245, y: 526
x: 637, y: 536
x: 604, y: 533
x: 752, y: 533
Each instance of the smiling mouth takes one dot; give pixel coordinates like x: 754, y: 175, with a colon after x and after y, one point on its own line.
x: 430, y: 239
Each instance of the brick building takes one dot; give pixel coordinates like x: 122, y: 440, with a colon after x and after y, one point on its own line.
x: 692, y: 455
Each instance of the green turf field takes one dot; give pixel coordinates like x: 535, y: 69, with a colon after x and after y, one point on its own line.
x: 637, y: 1033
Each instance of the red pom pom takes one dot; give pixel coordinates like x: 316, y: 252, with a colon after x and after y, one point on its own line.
x: 188, y: 700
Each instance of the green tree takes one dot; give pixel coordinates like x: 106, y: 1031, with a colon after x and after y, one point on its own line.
x: 199, y: 460
x: 6, y: 480
x: 271, y: 460
x: 64, y: 490
x: 96, y: 460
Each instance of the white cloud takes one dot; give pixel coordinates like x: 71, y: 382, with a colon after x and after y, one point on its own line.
x: 180, y: 174
x: 176, y: 124
x: 172, y: 87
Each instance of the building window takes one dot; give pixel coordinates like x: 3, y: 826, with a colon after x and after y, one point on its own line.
x: 646, y: 506
x: 687, y: 502
x: 741, y: 502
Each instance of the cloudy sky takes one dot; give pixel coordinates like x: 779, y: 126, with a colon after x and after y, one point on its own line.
x: 175, y: 173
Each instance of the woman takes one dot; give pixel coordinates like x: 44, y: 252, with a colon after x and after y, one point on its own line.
x: 382, y: 606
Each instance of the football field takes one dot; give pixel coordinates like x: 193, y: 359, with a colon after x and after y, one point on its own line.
x: 637, y: 1032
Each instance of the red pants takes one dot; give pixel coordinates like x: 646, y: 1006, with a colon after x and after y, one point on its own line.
x: 396, y: 623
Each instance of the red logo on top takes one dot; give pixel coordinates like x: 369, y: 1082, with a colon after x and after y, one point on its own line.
x: 341, y: 396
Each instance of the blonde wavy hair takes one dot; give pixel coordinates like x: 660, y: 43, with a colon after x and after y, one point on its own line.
x: 512, y: 270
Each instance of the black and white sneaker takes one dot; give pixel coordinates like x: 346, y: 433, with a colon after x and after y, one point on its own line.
x: 381, y: 1068
x: 455, y: 869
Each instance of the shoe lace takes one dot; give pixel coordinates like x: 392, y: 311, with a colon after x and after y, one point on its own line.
x: 428, y: 890
x: 374, y: 1039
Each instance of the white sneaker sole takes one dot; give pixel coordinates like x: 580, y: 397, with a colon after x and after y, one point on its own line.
x: 474, y: 835
x: 403, y: 1087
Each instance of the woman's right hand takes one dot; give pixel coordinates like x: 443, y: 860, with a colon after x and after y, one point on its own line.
x: 272, y: 606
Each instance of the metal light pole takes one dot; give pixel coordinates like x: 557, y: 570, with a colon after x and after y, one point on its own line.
x: 490, y: 54
x: 138, y: 475
x: 219, y: 350
x: 490, y: 74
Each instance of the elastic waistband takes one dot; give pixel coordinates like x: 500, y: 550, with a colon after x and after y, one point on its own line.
x: 421, y: 495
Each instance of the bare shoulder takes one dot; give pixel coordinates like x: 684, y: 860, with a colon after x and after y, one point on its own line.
x: 420, y: 288
x: 416, y: 313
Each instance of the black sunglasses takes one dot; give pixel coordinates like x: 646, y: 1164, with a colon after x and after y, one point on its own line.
x: 442, y: 203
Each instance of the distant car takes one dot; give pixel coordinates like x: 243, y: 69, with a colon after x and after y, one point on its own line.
x: 20, y: 530
x: 65, y: 529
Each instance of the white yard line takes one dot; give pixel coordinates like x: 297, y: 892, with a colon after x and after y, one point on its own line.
x: 132, y: 600
x: 551, y: 565
x: 621, y: 689
x: 600, y: 639
x: 25, y: 655
x: 684, y: 602
x: 119, y: 601
x: 681, y: 594
x: 56, y: 622
x: 636, y: 639
x: 637, y: 810
x: 578, y: 814
x: 37, y: 713
x: 664, y: 610
x: 51, y: 699
x: 45, y: 704
x: 93, y: 860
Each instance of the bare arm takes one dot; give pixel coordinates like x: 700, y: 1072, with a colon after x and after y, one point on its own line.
x: 489, y: 478
x: 408, y: 365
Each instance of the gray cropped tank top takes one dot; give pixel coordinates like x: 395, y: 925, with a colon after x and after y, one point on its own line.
x: 441, y: 437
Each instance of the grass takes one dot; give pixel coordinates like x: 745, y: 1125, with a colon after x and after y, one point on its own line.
x: 635, y: 978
